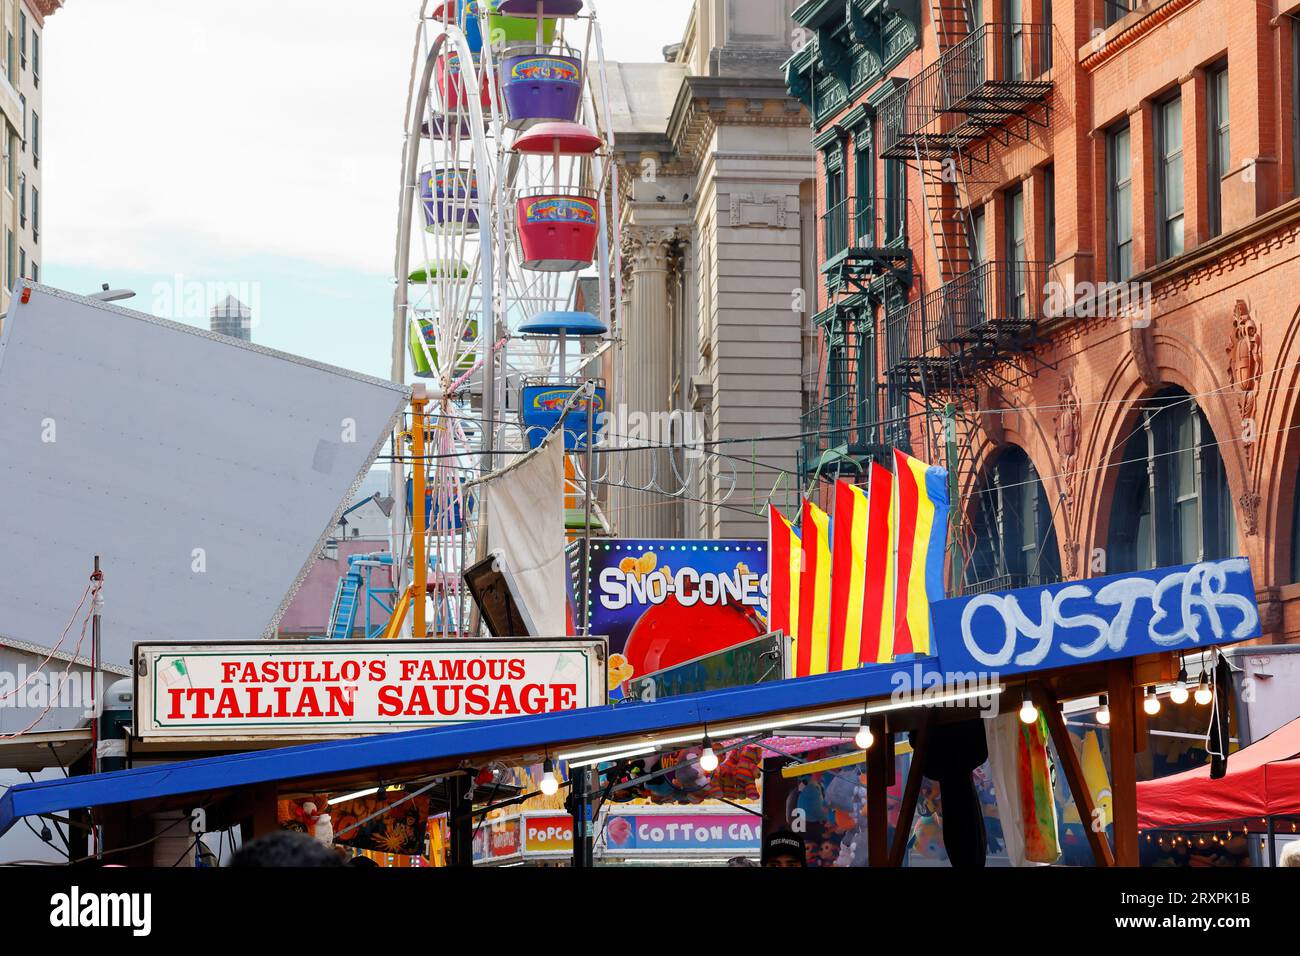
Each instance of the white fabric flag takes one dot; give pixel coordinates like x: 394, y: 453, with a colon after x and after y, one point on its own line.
x: 525, y: 519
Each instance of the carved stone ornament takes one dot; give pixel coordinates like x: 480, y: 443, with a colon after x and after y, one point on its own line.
x: 1144, y: 353
x: 757, y: 208
x: 1068, y: 425
x: 1245, y: 366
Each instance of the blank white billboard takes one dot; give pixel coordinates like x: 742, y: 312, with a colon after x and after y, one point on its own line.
x: 206, y: 472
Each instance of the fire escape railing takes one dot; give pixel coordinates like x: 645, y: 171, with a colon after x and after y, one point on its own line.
x: 995, y: 73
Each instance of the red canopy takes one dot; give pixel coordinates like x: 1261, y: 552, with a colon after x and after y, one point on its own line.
x: 1263, y: 780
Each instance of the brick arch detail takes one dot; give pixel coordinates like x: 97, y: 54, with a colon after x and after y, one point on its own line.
x: 1038, y: 446
x: 1107, y: 426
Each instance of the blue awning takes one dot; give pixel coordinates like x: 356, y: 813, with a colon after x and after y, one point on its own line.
x: 493, y: 739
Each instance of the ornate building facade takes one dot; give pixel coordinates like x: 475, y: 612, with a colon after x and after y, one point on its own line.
x: 717, y: 226
x: 1058, y: 249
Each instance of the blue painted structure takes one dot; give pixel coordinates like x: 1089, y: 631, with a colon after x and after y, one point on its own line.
x: 355, y: 589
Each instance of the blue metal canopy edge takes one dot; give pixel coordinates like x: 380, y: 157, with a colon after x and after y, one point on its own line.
x: 481, y: 739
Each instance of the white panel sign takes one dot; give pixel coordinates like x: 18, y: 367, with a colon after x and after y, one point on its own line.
x: 206, y: 472
x: 338, y: 688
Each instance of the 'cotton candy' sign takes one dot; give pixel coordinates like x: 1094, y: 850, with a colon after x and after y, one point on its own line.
x: 1146, y: 612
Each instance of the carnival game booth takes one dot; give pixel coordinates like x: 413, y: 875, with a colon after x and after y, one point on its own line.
x: 1029, y: 648
x: 1251, y: 803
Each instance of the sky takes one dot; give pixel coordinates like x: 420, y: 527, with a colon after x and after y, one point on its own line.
x: 193, y: 149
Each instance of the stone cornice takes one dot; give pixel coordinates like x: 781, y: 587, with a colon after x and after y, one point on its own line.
x: 1123, y: 34
x: 705, y: 103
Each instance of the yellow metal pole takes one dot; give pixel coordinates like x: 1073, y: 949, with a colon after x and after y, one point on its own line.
x: 419, y: 474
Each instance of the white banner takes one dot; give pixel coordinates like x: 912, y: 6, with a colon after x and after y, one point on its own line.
x: 341, y: 688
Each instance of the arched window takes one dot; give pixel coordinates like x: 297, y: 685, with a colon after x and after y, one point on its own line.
x: 1171, y: 504
x: 1295, y: 528
x: 1014, y: 539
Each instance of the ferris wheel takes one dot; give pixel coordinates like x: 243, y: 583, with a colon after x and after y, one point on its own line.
x: 507, y: 202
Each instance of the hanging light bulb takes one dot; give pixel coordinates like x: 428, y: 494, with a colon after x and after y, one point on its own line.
x: 864, y: 738
x: 1203, y: 693
x: 708, y: 759
x: 1179, y: 694
x: 1028, y: 712
x: 549, y: 785
x: 1150, y: 702
x: 1103, y: 710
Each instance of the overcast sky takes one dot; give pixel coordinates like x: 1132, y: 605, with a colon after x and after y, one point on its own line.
x: 247, y: 142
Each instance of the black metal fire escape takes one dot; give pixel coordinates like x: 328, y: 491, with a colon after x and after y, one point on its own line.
x: 987, y: 87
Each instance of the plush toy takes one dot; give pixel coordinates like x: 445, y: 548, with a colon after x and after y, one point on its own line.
x: 319, y: 825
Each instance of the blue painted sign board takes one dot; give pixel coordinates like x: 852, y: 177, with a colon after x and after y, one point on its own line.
x: 1184, y: 608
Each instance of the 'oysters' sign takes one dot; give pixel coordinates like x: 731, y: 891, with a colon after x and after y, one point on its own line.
x: 1146, y: 612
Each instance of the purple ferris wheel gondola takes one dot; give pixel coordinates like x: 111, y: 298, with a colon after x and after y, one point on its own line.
x: 548, y: 8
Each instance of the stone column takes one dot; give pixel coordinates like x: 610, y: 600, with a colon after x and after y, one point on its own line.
x: 647, y: 370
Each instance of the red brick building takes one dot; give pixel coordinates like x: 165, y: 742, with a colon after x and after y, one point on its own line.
x: 1076, y: 223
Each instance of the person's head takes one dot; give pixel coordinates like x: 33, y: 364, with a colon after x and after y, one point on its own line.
x: 1290, y: 855
x: 362, y: 861
x: 285, y: 848
x: 741, y: 861
x: 783, y: 848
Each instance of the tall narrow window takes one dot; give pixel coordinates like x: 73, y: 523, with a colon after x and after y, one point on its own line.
x: 36, y: 138
x: 836, y: 223
x: 1013, y: 11
x: 1119, y: 205
x: 36, y: 58
x: 22, y: 37
x: 22, y: 263
x: 36, y: 214
x: 1295, y: 105
x: 1169, y: 177
x: 22, y: 199
x: 9, y: 259
x: 1049, y: 214
x: 864, y: 188
x: 895, y: 199
x: 975, y: 240
x: 1045, y: 37
x: 1216, y: 89
x: 1016, y: 258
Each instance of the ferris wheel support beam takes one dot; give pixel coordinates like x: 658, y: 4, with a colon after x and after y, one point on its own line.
x: 401, y: 302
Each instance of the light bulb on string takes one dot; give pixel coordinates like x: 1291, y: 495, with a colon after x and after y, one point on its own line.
x: 1203, y: 693
x: 549, y: 785
x: 708, y: 759
x: 1150, y: 702
x: 864, y: 738
x: 1103, y: 710
x: 1028, y: 712
x: 1179, y: 693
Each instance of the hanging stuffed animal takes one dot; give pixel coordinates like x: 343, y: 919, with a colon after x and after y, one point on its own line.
x: 319, y: 825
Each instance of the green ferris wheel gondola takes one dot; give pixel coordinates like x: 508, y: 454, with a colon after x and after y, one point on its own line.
x: 420, y: 360
x: 451, y: 269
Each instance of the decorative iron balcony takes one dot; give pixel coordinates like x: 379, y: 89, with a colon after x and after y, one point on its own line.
x: 862, y: 238
x: 863, y: 226
x: 982, y: 315
x: 1009, y: 582
x: 971, y: 91
x: 845, y: 429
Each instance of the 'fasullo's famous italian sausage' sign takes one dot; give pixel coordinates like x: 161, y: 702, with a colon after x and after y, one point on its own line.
x: 354, y: 687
